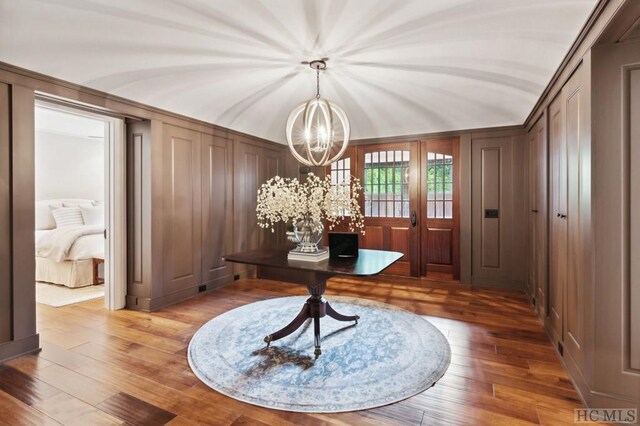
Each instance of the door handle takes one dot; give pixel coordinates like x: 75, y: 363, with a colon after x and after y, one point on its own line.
x: 534, y: 211
x: 414, y: 219
x: 563, y: 216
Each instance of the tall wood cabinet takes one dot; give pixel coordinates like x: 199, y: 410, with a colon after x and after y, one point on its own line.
x: 570, y: 260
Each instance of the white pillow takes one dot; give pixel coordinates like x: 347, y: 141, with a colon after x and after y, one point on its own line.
x: 92, y: 215
x: 67, y: 216
x: 44, y: 218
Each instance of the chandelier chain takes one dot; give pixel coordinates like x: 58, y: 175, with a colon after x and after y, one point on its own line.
x: 317, y: 83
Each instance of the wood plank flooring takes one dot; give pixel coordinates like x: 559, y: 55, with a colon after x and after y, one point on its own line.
x: 99, y: 367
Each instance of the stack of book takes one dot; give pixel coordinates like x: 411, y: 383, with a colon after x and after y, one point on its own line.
x: 296, y: 254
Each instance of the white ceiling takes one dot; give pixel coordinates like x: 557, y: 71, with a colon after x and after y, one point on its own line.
x: 396, y: 67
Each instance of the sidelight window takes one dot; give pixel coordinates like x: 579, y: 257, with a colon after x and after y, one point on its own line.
x: 439, y: 186
x: 386, y: 184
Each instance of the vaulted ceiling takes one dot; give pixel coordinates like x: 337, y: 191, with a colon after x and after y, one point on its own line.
x: 396, y: 67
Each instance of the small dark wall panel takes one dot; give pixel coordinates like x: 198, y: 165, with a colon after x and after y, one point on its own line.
x: 5, y: 217
x: 137, y: 188
x: 182, y: 213
x: 440, y: 246
x: 491, y: 186
x: 217, y: 213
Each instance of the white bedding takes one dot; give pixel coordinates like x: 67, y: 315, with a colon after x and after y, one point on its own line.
x: 82, y: 242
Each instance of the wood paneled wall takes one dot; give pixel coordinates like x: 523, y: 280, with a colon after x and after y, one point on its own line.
x: 613, y: 369
x: 192, y: 200
x: 183, y: 200
x: 17, y: 198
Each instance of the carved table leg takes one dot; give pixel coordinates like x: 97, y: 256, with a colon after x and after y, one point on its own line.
x: 291, y: 327
x: 338, y: 316
x: 315, y: 307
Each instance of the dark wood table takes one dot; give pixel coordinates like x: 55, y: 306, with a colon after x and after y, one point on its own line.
x: 315, y: 275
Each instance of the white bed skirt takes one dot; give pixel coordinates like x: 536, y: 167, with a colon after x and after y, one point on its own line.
x: 71, y: 273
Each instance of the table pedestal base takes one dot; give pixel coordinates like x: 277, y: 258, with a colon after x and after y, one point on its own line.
x: 315, y: 307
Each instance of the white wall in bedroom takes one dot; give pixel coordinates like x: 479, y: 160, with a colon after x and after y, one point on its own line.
x: 69, y: 166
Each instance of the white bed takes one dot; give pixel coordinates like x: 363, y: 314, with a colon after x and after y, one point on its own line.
x: 71, y: 263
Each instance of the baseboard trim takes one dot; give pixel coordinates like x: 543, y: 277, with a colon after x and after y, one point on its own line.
x: 16, y: 348
x: 146, y: 304
x: 590, y: 398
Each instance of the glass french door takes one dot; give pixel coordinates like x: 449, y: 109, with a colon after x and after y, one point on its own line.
x: 410, y: 202
x: 389, y: 179
x: 440, y: 199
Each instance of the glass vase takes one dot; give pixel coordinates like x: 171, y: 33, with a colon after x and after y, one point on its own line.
x: 308, y: 234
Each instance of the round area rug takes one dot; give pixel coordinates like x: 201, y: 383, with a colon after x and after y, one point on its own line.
x: 390, y: 355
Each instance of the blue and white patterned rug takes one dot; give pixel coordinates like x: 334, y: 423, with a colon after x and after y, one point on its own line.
x: 390, y: 355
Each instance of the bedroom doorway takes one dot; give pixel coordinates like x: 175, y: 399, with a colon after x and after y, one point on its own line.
x: 80, y: 206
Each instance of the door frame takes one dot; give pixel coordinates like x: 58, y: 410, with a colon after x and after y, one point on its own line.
x: 115, y: 194
x: 115, y: 273
x: 414, y: 198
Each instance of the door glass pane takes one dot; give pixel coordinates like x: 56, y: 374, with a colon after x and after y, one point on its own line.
x: 439, y: 186
x: 386, y: 183
x: 340, y: 177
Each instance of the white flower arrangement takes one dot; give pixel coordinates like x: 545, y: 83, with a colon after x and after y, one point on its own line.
x: 317, y: 200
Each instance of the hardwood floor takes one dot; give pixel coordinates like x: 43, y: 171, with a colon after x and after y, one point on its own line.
x: 100, y: 367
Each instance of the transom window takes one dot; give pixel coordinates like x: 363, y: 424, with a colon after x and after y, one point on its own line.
x: 439, y: 186
x: 386, y: 184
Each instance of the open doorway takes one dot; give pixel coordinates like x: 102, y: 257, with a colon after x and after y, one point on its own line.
x: 79, y: 187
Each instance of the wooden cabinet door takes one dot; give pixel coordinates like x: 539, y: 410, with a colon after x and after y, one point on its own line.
x: 389, y: 176
x: 576, y: 124
x: 217, y: 209
x: 533, y: 206
x: 440, y: 207
x: 558, y: 223
x: 538, y: 215
x: 182, y: 208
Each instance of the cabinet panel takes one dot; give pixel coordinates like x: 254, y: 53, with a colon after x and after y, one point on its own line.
x: 573, y: 333
x: 182, y: 212
x: 538, y: 215
x: 540, y: 235
x: 217, y: 213
x: 558, y: 225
